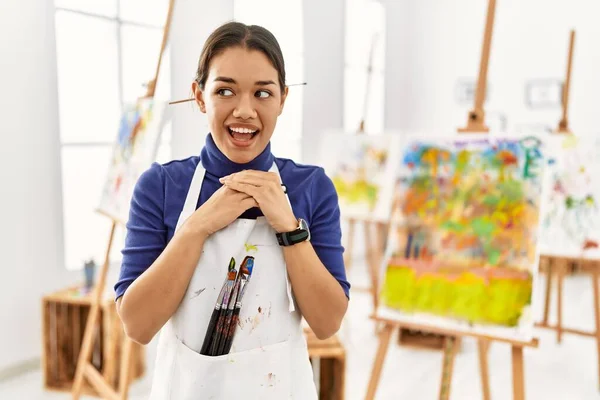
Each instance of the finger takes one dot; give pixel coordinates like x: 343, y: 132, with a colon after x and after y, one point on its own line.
x: 244, y: 188
x: 269, y: 176
x: 247, y: 180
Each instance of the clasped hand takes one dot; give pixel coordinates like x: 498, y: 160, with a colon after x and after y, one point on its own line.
x: 265, y: 188
x: 240, y: 192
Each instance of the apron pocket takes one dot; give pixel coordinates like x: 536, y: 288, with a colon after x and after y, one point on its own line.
x: 261, y: 373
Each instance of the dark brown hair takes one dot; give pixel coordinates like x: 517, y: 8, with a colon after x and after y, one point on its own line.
x: 236, y: 34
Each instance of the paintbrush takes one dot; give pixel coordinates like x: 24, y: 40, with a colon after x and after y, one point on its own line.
x: 215, y: 314
x: 228, y: 315
x: 216, y: 311
x: 214, y: 346
x: 233, y: 300
x: 246, y: 273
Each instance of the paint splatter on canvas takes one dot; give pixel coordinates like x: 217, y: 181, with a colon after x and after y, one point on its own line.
x: 362, y: 168
x: 571, y: 218
x: 462, y: 250
x: 134, y: 151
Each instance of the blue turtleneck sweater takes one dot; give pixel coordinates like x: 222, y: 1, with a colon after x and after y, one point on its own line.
x: 160, y: 193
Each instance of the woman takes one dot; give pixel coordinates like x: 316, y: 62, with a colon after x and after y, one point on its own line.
x: 190, y: 218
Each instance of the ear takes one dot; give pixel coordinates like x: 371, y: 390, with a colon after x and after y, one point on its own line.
x: 283, y: 97
x: 199, y: 96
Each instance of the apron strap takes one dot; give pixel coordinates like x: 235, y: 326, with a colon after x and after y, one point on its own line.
x: 291, y: 307
x: 191, y: 200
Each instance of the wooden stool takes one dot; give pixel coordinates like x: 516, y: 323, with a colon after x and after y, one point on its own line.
x: 332, y: 371
x: 64, y: 316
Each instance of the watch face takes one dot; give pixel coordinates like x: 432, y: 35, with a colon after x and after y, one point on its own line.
x: 304, y: 227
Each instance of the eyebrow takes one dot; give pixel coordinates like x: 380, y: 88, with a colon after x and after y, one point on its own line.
x: 231, y: 80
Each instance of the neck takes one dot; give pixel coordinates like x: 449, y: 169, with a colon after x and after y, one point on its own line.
x: 217, y: 163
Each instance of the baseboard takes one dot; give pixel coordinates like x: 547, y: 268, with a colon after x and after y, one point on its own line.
x: 20, y: 368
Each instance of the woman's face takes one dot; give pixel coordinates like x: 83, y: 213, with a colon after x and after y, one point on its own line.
x: 242, y: 100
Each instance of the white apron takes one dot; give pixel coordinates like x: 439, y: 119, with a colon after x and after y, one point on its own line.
x: 268, y: 357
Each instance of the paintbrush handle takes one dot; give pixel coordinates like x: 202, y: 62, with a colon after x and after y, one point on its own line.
x: 210, y: 330
x: 214, y: 346
x: 224, y: 331
x: 231, y: 332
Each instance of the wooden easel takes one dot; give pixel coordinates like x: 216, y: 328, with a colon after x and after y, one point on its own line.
x: 374, y: 231
x: 475, y: 124
x: 476, y: 119
x: 563, y: 124
x: 561, y: 265
x: 85, y: 369
x: 450, y: 350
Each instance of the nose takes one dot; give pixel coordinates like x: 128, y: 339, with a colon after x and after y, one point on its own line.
x: 245, y: 108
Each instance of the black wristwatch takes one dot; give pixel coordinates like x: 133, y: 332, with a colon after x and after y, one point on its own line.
x: 298, y: 235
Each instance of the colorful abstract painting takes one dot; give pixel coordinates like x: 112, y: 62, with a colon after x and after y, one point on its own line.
x: 134, y: 151
x: 571, y: 218
x: 363, y: 169
x: 462, y: 250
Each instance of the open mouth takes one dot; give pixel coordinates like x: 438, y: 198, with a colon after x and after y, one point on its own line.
x: 242, y: 135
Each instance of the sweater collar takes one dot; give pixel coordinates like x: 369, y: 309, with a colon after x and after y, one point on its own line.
x: 217, y: 164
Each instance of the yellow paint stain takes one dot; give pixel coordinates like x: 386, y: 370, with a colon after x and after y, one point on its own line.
x: 250, y: 247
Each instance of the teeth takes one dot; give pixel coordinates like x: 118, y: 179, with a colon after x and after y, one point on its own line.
x: 242, y: 130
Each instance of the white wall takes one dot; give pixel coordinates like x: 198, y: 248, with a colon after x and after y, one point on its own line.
x: 433, y: 43
x: 31, y: 238
x: 323, y: 72
x: 193, y: 21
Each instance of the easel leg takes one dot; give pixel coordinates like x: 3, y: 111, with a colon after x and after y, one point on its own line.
x: 90, y: 327
x: 597, y: 314
x: 483, y: 347
x: 561, y: 276
x: 381, y: 230
x: 548, y: 290
x: 384, y: 342
x: 348, y: 252
x: 125, y: 372
x: 450, y: 348
x: 518, y: 374
x: 86, y: 350
x: 371, y: 261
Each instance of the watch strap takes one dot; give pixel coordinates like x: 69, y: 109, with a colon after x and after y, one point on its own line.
x: 290, y: 238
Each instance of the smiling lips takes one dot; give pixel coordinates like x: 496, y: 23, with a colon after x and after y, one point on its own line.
x: 242, y: 136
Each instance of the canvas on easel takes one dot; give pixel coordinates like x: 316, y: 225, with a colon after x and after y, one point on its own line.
x: 135, y: 148
x: 572, y: 216
x: 362, y: 168
x: 571, y: 221
x: 476, y: 124
x: 462, y: 250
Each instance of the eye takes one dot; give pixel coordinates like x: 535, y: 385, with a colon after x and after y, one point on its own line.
x: 263, y: 94
x: 225, y: 92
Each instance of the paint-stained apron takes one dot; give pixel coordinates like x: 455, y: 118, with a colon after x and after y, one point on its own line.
x: 268, y: 358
